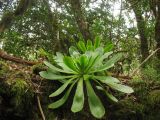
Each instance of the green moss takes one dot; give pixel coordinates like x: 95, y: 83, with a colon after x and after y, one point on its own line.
x: 15, y: 76
x: 150, y: 73
x: 154, y: 97
x: 127, y: 109
x: 37, y: 68
x: 50, y: 115
x: 17, y: 95
x: 18, y: 90
x: 147, y: 94
x: 22, y: 97
x: 144, y: 104
x: 4, y: 69
x: 152, y: 105
x: 141, y: 88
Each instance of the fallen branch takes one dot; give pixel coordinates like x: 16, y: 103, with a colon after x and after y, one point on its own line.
x: 6, y: 56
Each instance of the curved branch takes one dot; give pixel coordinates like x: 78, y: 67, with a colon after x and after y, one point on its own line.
x: 6, y: 56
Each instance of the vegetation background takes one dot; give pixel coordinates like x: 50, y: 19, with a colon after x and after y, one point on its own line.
x: 34, y: 30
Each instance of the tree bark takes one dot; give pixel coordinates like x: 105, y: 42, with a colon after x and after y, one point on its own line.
x: 52, y: 26
x: 76, y: 7
x: 155, y: 8
x: 6, y: 56
x: 141, y: 29
x: 143, y: 37
x: 152, y: 4
x: 157, y: 29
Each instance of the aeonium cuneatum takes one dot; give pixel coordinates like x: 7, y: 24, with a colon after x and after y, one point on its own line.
x: 81, y: 70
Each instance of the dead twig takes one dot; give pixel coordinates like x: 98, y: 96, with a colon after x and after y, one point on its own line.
x: 40, y: 108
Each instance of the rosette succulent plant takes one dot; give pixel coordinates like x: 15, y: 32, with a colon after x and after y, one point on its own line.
x: 81, y: 68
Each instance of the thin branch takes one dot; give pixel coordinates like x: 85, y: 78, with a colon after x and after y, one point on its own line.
x: 40, y: 108
x: 136, y: 70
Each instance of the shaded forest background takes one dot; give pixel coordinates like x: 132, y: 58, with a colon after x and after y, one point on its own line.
x: 34, y: 30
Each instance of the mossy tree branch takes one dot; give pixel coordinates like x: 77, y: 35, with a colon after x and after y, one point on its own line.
x: 6, y: 56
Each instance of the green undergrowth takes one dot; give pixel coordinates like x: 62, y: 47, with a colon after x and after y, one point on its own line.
x: 16, y: 94
x: 18, y: 100
x: 144, y: 104
x: 37, y: 68
x: 4, y: 69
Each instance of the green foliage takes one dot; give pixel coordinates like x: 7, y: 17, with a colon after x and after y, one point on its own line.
x: 127, y: 109
x: 18, y: 89
x: 44, y: 54
x: 84, y: 66
x: 154, y: 97
x: 140, y: 87
x: 143, y: 104
x: 17, y: 96
x: 145, y: 83
x: 37, y: 68
x: 151, y: 73
x: 90, y: 47
x: 44, y: 28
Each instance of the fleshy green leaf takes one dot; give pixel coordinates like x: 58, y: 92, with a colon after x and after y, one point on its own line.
x: 108, y: 47
x: 61, y: 89
x: 81, y: 46
x: 89, y: 45
x: 72, y: 50
x: 114, y: 84
x: 78, y: 100
x: 115, y: 58
x: 62, y: 100
x: 99, y: 51
x: 70, y: 63
x: 103, y: 67
x: 59, y: 60
x: 83, y: 61
x: 106, y: 55
x: 52, y: 76
x: 95, y: 105
x: 55, y: 68
x: 92, y: 61
x: 110, y: 96
x: 109, y: 63
x: 106, y: 79
x: 120, y: 87
x: 97, y: 42
x: 101, y: 59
